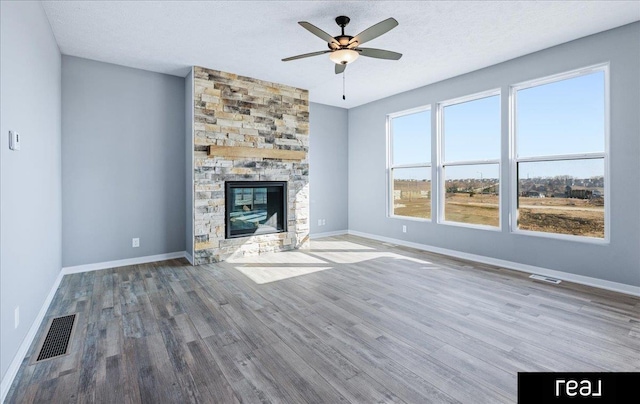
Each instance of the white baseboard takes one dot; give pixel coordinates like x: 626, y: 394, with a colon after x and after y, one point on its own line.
x: 565, y: 276
x: 12, y: 371
x: 123, y: 263
x: 328, y: 234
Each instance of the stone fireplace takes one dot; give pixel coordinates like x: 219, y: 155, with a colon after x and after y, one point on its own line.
x: 251, y: 141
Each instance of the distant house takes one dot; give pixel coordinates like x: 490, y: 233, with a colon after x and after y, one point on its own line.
x: 410, y: 194
x: 534, y: 194
x: 581, y: 192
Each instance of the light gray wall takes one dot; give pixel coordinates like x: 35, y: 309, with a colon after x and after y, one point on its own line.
x: 30, y: 199
x: 618, y: 261
x: 188, y: 156
x: 328, y: 181
x: 123, y: 160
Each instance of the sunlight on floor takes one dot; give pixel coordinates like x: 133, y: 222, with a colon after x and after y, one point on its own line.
x: 285, y: 257
x: 278, y: 266
x: 337, y: 245
x: 261, y: 275
x: 353, y: 257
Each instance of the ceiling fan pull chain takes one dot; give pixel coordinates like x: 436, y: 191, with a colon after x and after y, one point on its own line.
x: 343, y: 85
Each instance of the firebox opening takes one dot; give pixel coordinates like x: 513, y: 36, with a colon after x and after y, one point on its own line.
x: 255, y: 207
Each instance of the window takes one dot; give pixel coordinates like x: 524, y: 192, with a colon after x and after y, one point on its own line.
x: 409, y: 147
x: 470, y: 160
x: 559, y: 154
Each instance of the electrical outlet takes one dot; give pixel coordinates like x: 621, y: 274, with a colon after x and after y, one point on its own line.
x: 16, y: 317
x: 324, y: 222
x: 404, y: 228
x: 135, y: 243
x: 14, y: 140
x: 319, y: 222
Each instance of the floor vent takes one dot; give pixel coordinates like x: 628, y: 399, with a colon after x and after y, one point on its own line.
x: 56, y: 343
x: 545, y: 279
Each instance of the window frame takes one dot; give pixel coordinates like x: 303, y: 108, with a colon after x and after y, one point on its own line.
x: 441, y: 164
x: 391, y: 166
x: 514, y: 160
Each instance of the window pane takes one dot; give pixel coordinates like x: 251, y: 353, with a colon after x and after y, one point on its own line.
x: 564, y: 117
x: 472, y: 130
x: 411, y: 136
x: 412, y: 192
x: 563, y: 197
x: 472, y: 194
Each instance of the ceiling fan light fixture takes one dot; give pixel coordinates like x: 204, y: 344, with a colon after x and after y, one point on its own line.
x: 343, y: 56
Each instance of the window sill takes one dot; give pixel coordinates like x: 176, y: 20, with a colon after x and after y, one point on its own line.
x: 565, y: 237
x: 413, y: 219
x: 471, y: 226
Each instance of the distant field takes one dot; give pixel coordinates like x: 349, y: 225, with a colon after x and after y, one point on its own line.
x: 579, y: 217
x: 554, y: 215
x: 479, y: 209
x: 415, y: 199
x: 415, y: 207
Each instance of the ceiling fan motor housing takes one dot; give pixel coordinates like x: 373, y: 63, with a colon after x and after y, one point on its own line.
x: 343, y: 40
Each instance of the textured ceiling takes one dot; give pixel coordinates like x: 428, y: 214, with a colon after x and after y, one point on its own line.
x: 439, y: 39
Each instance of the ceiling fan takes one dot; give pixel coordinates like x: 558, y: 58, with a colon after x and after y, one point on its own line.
x: 344, y: 49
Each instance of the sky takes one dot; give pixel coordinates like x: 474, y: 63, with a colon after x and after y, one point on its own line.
x: 563, y: 117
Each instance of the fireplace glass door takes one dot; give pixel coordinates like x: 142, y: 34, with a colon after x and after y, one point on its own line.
x: 254, y: 208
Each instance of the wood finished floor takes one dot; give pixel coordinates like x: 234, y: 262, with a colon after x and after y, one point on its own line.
x: 350, y: 320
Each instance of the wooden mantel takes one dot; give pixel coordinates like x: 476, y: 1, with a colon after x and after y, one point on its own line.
x: 243, y: 152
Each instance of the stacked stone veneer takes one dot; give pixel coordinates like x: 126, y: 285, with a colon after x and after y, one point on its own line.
x: 232, y: 110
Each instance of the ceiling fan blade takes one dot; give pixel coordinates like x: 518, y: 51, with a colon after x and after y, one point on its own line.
x: 318, y: 32
x: 305, y: 55
x: 375, y: 31
x: 379, y: 53
x: 340, y: 68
